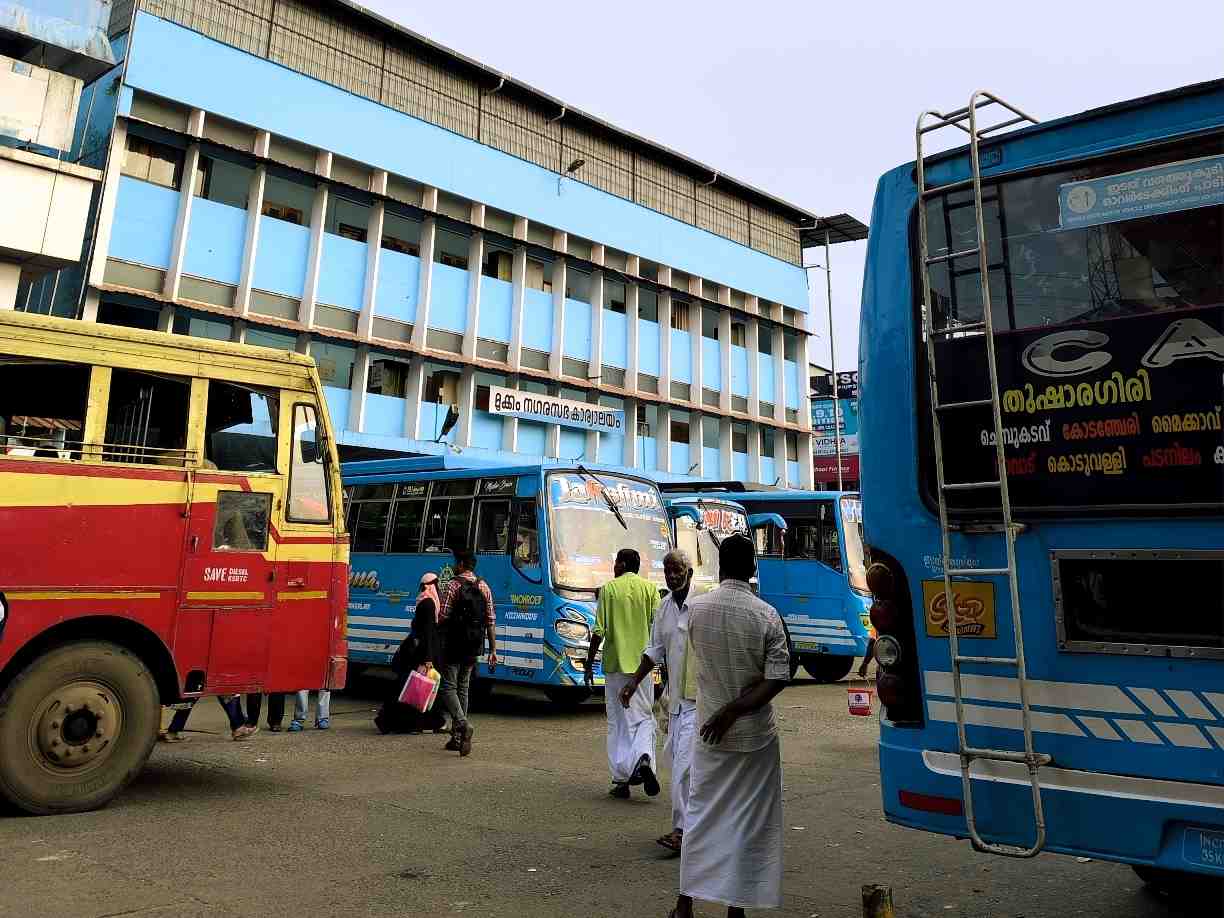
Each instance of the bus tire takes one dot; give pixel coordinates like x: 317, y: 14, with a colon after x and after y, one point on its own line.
x: 76, y: 726
x: 567, y: 697
x: 826, y: 668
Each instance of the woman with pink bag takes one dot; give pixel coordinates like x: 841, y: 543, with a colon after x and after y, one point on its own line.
x: 418, y: 653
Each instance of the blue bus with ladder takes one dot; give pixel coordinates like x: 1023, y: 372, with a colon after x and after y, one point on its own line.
x: 545, y: 537
x: 1042, y: 331
x: 810, y: 567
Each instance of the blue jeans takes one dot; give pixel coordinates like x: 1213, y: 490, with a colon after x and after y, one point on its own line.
x: 301, y: 704
x: 456, y: 680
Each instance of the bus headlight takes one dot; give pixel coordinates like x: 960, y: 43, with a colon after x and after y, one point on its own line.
x: 887, y: 651
x: 578, y: 632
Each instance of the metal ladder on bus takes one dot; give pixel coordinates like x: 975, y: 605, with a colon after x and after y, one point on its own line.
x: 966, y: 119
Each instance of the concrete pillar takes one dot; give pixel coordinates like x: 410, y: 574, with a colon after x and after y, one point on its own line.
x: 807, y: 474
x: 250, y: 248
x: 552, y: 441
x: 696, y: 445
x: 724, y: 357
x: 630, y: 459
x: 165, y: 318
x: 518, y: 280
x: 429, y: 198
x: 314, y: 258
x: 591, y: 447
x: 631, y: 337
x: 89, y: 310
x: 805, y: 388
x: 509, y: 435
x: 429, y: 237
x: 467, y: 404
x: 238, y: 331
x: 780, y: 458
x: 663, y: 438
x: 752, y: 346
x: 595, y: 370
x: 357, y: 390
x: 106, y: 216
x: 374, y: 234
x: 10, y: 277
x: 414, y: 389
x: 726, y: 458
x: 475, y: 260
x: 754, y: 452
x: 779, y: 368
x: 558, y: 336
x: 696, y: 352
x: 520, y: 228
x: 182, y: 220
x: 665, y: 309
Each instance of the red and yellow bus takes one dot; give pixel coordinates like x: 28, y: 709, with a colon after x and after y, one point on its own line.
x: 170, y: 527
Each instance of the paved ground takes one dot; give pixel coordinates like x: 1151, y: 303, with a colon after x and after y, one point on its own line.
x: 349, y: 823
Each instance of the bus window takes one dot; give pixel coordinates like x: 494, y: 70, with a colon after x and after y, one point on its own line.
x: 242, y: 521
x: 450, y: 515
x: 241, y: 428
x: 493, y: 527
x: 42, y: 407
x: 409, y: 518
x: 526, y: 536
x: 146, y: 418
x: 369, y: 525
x: 768, y: 541
x: 308, y: 497
x: 852, y: 526
x: 814, y: 538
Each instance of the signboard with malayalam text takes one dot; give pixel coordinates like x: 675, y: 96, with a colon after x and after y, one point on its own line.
x: 550, y: 409
x: 1146, y: 192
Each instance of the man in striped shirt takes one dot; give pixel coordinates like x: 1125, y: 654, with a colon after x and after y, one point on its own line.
x: 461, y: 660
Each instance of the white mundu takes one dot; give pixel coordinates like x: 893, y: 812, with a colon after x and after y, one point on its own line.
x: 631, y: 730
x: 668, y: 642
x: 732, y: 851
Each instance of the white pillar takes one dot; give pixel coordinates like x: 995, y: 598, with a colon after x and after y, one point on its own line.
x: 509, y: 442
x: 631, y: 338
x: 357, y: 389
x: 595, y: 370
x: 429, y: 237
x: 467, y: 404
x: 663, y: 438
x: 414, y: 389
x: 807, y: 474
x: 10, y: 278
x: 558, y: 336
x: 780, y: 458
x: 629, y: 459
x: 552, y: 441
x: 518, y: 279
x: 754, y: 452
x: 182, y: 221
x: 696, y: 444
x: 779, y: 368
x: 106, y: 216
x: 314, y: 258
x: 696, y: 352
x: 591, y: 447
x: 165, y: 318
x: 665, y: 308
x: 238, y: 331
x: 726, y: 458
x: 724, y: 358
x: 374, y: 234
x: 250, y: 248
x: 475, y: 260
x: 752, y: 346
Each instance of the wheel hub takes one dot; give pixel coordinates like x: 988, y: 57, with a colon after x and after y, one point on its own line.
x: 77, y: 725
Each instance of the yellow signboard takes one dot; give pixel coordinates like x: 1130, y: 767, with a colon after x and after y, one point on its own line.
x: 975, y: 609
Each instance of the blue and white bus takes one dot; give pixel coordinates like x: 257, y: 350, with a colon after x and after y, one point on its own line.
x: 1084, y: 713
x: 545, y: 537
x: 810, y: 567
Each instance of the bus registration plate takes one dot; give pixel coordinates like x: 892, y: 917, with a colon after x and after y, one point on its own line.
x: 1203, y: 847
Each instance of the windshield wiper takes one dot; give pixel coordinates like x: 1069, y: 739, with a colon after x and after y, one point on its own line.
x: 603, y: 492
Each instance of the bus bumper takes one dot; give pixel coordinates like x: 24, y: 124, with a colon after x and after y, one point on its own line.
x: 1174, y: 825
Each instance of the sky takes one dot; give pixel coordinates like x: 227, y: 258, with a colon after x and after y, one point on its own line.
x: 813, y: 101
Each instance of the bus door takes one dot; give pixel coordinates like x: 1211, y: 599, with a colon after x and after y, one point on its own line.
x: 812, y: 583
x: 229, y: 584
x: 494, y: 500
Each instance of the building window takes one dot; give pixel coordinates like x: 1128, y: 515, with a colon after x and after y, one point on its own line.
x: 539, y: 274
x: 739, y: 437
x: 739, y: 334
x: 223, y: 181
x: 710, y: 432
x: 765, y: 340
x: 451, y: 249
x: 709, y: 324
x: 335, y: 362
x: 792, y: 446
x: 442, y: 387
x: 679, y: 430
x: 767, y: 441
x: 388, y: 377
x: 401, y: 234
x: 790, y: 345
x: 346, y: 218
x: 288, y: 200
x: 153, y: 162
x: 646, y: 415
x: 577, y: 285
x: 614, y: 296
x: 648, y: 304
x: 498, y: 262
x: 680, y: 315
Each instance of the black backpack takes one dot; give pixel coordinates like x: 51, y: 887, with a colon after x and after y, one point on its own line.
x: 467, y: 621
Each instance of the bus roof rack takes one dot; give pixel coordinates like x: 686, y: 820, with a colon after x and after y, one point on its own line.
x: 681, y: 487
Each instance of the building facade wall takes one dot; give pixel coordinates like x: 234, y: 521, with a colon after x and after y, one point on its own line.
x: 420, y: 266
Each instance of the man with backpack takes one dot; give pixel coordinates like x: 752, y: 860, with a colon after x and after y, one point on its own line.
x: 466, y: 618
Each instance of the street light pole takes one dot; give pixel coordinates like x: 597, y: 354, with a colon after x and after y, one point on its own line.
x: 833, y: 364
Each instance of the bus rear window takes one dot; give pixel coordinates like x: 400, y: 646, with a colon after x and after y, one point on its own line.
x: 1107, y: 299
x: 1141, y: 603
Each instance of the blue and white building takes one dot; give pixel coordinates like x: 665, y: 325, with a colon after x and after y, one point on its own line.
x: 312, y: 176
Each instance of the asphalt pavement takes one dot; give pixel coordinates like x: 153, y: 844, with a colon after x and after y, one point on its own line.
x: 349, y: 823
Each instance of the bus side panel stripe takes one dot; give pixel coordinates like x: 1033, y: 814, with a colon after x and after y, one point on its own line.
x: 1081, y: 695
x: 1150, y: 698
x: 1005, y: 718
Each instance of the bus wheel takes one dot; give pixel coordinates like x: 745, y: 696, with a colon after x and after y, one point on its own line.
x: 825, y: 668
x: 567, y: 697
x: 76, y: 725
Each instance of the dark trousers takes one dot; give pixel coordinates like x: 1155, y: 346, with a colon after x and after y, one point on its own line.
x: 232, y: 708
x: 276, y: 709
x: 254, y: 704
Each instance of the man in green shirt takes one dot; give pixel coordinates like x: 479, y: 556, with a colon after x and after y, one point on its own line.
x: 623, y: 618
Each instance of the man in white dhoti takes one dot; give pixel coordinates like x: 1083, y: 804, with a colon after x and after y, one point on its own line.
x: 668, y: 639
x: 732, y: 850
x: 623, y: 618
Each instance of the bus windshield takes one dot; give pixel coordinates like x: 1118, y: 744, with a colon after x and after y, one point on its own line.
x: 701, y: 543
x: 585, y: 534
x: 852, y: 525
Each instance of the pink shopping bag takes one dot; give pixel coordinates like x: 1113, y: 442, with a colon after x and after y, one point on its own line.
x: 420, y: 691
